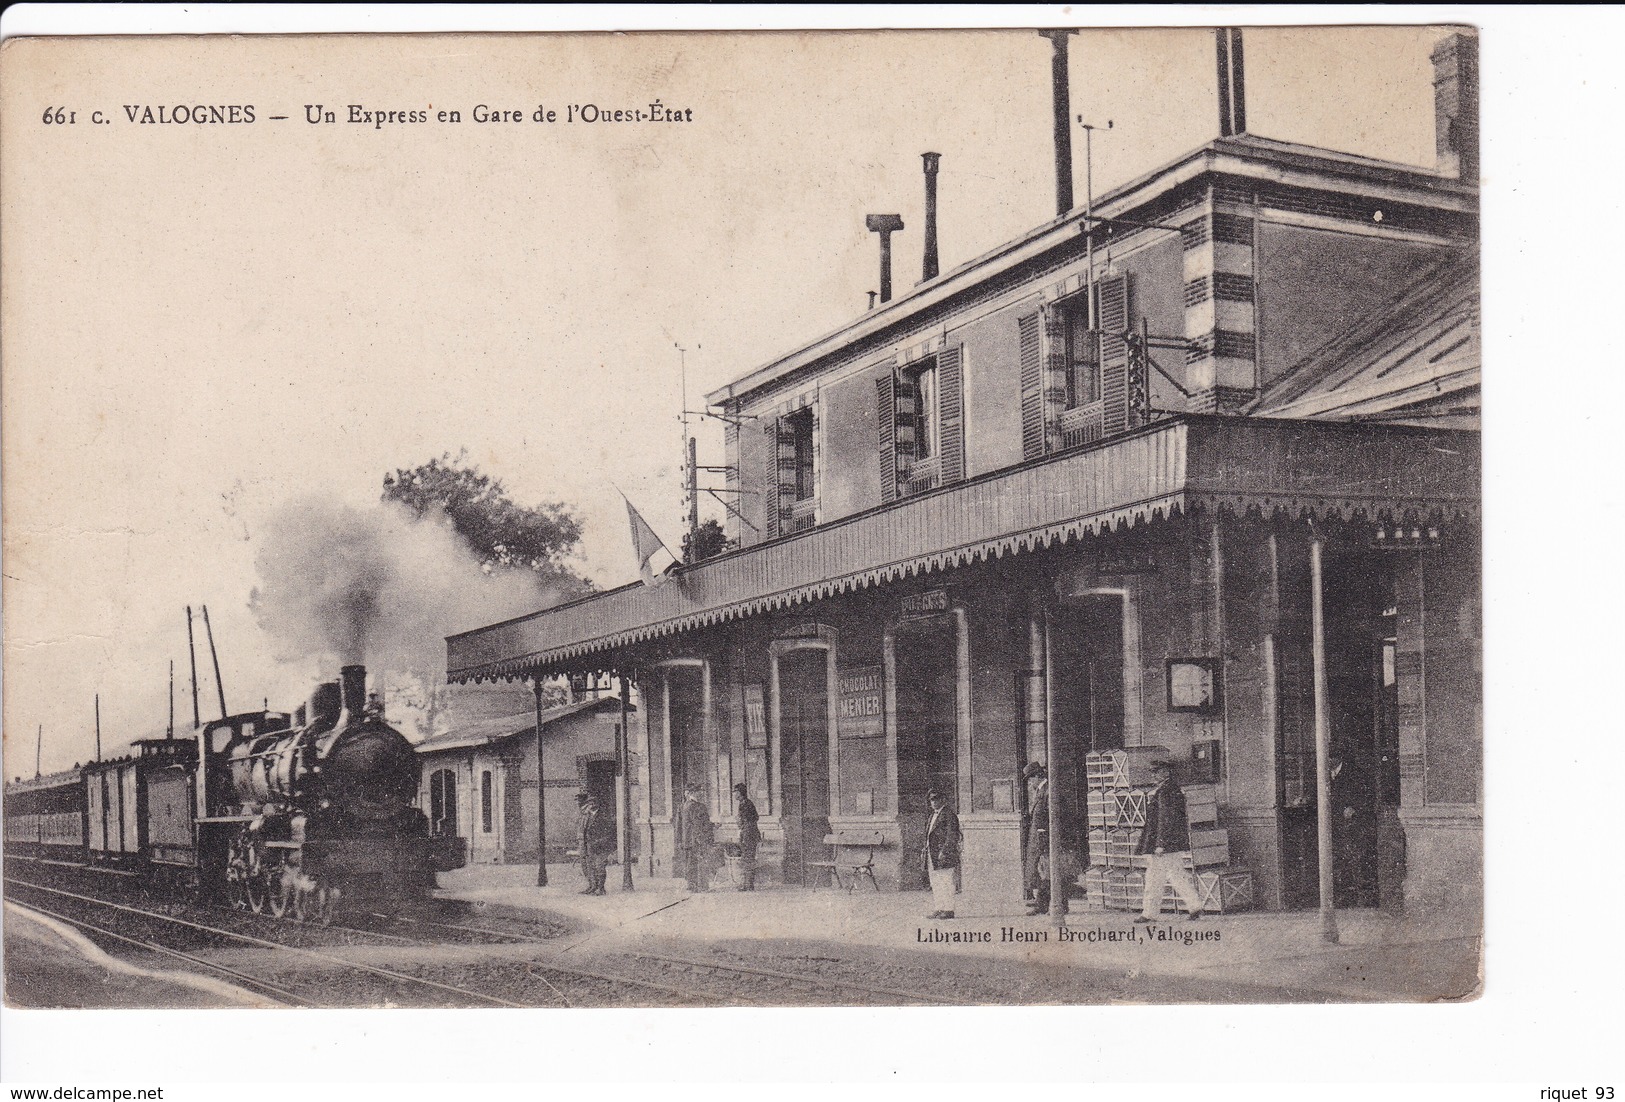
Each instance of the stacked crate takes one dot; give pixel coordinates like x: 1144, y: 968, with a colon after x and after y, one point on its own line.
x: 1120, y: 783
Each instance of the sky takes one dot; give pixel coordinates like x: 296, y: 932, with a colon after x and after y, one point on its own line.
x: 206, y: 323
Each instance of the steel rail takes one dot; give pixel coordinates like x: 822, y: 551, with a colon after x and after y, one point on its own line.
x: 262, y: 943
x: 152, y: 946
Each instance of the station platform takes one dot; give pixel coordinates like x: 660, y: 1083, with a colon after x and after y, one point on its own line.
x: 1379, y: 957
x: 50, y: 964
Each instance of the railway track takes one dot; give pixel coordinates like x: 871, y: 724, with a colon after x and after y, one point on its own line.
x: 607, y: 978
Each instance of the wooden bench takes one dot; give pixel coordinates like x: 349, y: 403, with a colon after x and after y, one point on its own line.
x: 865, y: 842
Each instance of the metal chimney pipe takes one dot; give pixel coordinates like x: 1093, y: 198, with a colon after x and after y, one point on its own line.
x: 885, y: 225
x: 932, y: 162
x: 1061, y: 88
x: 1232, y: 81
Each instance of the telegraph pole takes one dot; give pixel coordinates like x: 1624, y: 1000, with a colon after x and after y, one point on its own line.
x: 191, y: 650
x: 98, y: 726
x: 216, y: 658
x: 39, y: 741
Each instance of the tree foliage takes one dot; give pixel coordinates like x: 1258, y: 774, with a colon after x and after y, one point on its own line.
x: 542, y: 539
x: 708, y: 541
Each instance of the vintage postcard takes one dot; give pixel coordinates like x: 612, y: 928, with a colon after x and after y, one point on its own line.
x: 869, y: 518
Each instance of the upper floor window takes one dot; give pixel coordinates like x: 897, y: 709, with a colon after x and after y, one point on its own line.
x: 918, y: 411
x: 800, y: 425
x: 1081, y: 362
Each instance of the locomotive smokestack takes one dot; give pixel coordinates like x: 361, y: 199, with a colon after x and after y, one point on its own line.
x: 928, y: 270
x: 353, y: 689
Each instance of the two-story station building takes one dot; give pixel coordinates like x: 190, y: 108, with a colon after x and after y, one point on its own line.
x: 1217, y: 490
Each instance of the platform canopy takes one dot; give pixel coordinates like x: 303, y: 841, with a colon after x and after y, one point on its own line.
x: 1274, y: 466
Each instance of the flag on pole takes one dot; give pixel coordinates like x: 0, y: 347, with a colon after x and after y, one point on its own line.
x: 647, y: 546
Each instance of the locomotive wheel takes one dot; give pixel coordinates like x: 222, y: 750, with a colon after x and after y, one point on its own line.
x: 258, y: 891
x: 239, y: 874
x: 282, y: 895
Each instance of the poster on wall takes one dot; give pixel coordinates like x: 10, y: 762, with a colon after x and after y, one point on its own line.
x: 862, y: 710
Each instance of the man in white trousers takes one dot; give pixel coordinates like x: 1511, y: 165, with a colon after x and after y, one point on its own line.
x: 1165, y: 843
x: 942, y: 855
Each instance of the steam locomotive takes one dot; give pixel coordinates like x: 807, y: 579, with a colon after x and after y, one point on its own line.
x: 304, y: 814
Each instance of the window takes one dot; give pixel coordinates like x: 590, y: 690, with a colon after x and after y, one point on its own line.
x: 1082, y: 364
x: 800, y: 425
x: 485, y: 802
x: 922, y: 416
x: 442, y: 803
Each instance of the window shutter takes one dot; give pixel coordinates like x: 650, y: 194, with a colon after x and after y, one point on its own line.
x: 906, y: 402
x: 1032, y: 388
x: 770, y: 480
x: 786, y: 474
x: 1114, y: 323
x: 951, y: 400
x: 886, y: 422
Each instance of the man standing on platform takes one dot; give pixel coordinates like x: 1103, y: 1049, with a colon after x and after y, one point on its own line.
x: 597, y: 843
x: 1166, y: 845
x: 942, y: 838
x: 750, y: 837
x: 695, y: 837
x: 1035, y: 861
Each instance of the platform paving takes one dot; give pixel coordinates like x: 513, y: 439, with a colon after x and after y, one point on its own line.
x: 1378, y: 957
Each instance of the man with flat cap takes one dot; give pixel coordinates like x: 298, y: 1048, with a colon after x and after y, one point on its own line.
x: 1036, y: 858
x: 750, y: 836
x: 1165, y: 843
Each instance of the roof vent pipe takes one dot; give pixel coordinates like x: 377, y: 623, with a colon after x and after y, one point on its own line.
x: 1059, y: 84
x: 928, y: 270
x: 885, y: 225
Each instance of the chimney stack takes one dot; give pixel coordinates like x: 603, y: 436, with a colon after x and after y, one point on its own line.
x: 1232, y: 82
x: 1455, y: 105
x: 928, y: 270
x: 885, y: 225
x: 1061, y: 88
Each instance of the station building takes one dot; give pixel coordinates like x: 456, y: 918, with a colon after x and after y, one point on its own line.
x: 1138, y: 505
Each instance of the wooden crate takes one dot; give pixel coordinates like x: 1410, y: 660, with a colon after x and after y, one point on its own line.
x: 1225, y: 891
x: 1120, y: 846
x: 1126, y: 768
x: 1094, y: 887
x: 1101, y: 807
x: 1125, y: 889
x: 1210, y: 848
x: 1201, y: 804
x: 1131, y: 805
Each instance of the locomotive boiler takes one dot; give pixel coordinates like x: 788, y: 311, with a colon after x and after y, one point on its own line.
x: 310, y: 813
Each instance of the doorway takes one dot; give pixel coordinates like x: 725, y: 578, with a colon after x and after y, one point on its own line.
x: 804, y: 761
x: 598, y: 778
x: 1086, y: 637
x: 1362, y: 688
x: 927, y: 735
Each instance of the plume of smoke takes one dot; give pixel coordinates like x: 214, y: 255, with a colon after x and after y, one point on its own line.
x: 376, y: 584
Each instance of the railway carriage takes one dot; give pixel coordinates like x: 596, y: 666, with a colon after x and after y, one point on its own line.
x: 304, y: 813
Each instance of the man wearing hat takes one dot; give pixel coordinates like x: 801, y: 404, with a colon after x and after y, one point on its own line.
x: 942, y: 837
x: 1033, y: 876
x: 1165, y: 843
x: 695, y: 838
x: 750, y: 836
x: 595, y: 834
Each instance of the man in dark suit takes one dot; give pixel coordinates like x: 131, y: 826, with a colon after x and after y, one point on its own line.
x: 695, y: 837
x: 597, y: 845
x: 750, y: 836
x: 942, y: 838
x: 1165, y: 843
x: 1036, y: 858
